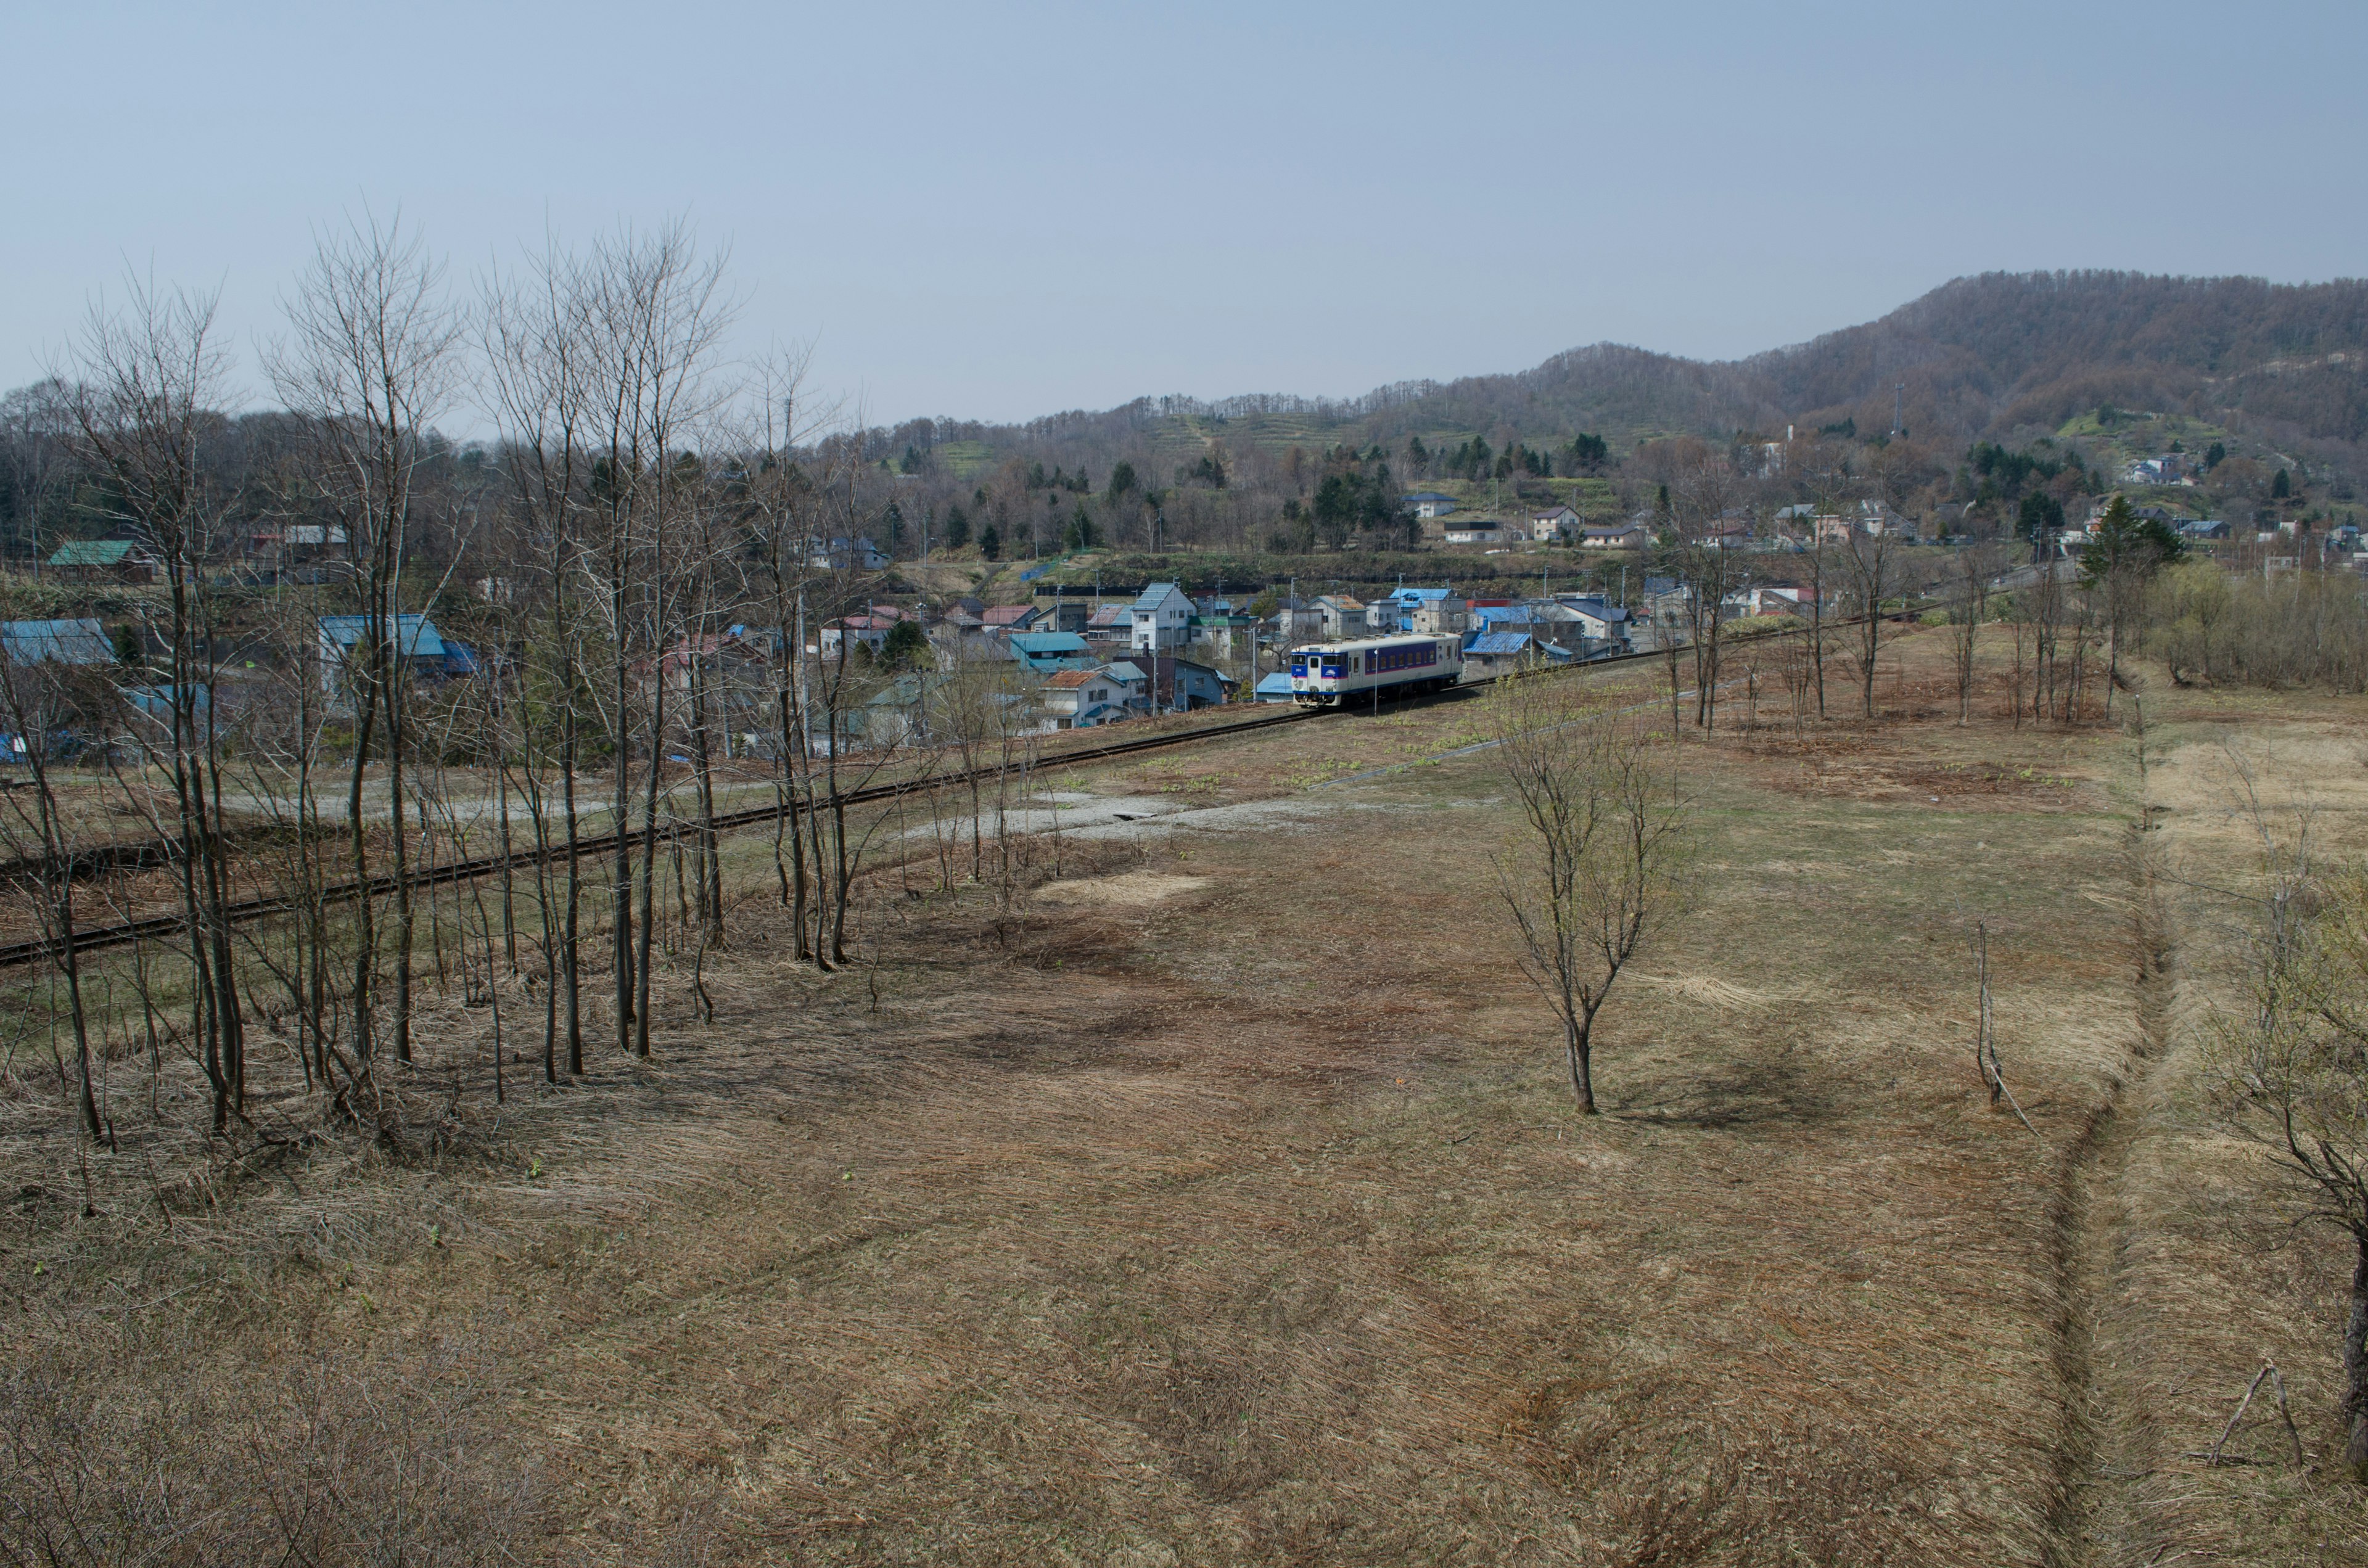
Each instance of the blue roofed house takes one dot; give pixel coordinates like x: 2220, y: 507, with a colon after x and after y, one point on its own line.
x: 423, y: 648
x: 1435, y: 612
x: 1163, y: 618
x: 55, y: 641
x: 1041, y: 653
x: 1500, y: 650
x: 33, y: 643
x: 1275, y: 687
x: 1178, y: 686
x: 1599, y: 620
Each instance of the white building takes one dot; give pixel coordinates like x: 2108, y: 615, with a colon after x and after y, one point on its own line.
x: 1554, y: 526
x: 1345, y: 617
x: 1477, y: 530
x: 1163, y: 618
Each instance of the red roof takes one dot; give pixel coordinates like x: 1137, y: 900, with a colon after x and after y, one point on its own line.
x: 1006, y: 615
x: 1066, y: 679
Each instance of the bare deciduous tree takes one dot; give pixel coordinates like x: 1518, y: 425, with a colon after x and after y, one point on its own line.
x: 2292, y: 1073
x: 370, y: 360
x: 1598, y: 868
x: 1965, y: 622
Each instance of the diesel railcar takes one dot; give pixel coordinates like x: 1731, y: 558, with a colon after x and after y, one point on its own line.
x: 1329, y: 673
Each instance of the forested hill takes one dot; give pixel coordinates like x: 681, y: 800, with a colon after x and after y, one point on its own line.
x: 2001, y: 357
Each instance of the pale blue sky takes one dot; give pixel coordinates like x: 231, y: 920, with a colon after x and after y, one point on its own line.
x: 999, y: 211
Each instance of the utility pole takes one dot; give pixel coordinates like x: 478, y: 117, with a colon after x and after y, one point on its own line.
x: 1898, y: 407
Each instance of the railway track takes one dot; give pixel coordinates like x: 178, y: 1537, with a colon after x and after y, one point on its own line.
x: 121, y: 933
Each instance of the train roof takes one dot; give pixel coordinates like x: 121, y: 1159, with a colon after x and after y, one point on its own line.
x: 1363, y: 644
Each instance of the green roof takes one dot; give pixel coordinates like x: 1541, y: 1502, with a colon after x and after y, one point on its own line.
x: 92, y: 552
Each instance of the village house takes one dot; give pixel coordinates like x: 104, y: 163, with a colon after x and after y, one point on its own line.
x: 1612, y: 536
x: 1042, y: 652
x: 78, y: 641
x: 1002, y: 620
x: 1427, y: 503
x: 1179, y: 686
x: 1476, y: 530
x: 104, y: 561
x: 1599, y: 620
x: 1557, y: 527
x: 869, y: 630
x: 843, y: 555
x: 1297, y: 624
x: 426, y: 655
x: 1225, y: 635
x: 1344, y: 617
x: 1162, y: 618
x: 1442, y: 617
x: 1433, y: 612
x: 1081, y: 699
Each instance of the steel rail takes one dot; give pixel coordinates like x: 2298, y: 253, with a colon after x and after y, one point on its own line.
x: 240, y: 912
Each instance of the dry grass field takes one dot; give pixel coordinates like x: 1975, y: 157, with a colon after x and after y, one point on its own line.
x: 1223, y: 1203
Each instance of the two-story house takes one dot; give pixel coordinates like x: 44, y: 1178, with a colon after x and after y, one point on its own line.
x: 1163, y: 618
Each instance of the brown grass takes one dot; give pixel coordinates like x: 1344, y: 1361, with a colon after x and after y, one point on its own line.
x: 1222, y: 1203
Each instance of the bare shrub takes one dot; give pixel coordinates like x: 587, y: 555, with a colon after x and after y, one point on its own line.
x: 118, y: 1449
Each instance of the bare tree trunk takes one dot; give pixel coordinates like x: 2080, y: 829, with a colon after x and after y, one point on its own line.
x: 2355, y: 1363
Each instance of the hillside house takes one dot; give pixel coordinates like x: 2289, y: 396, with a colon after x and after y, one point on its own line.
x: 1557, y: 527
x: 843, y: 555
x: 1162, y: 618
x: 1476, y: 530
x: 1427, y: 503
x: 1612, y: 536
x: 852, y: 630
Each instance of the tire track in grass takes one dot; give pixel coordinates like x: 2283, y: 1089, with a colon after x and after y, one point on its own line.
x: 2089, y: 1520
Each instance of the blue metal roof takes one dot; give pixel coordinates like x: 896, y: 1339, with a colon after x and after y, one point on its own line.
x: 415, y: 634
x: 1046, y: 644
x: 1497, y: 644
x: 1275, y: 685
x: 67, y: 642
x: 1153, y: 593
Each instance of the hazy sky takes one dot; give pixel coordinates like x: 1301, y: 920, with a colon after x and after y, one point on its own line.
x: 999, y: 211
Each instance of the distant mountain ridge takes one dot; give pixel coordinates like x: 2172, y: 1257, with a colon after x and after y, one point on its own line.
x: 2000, y: 356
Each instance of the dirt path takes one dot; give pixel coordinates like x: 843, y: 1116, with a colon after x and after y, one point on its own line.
x: 2093, y: 1516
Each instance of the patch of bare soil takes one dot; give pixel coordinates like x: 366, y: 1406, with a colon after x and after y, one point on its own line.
x: 1127, y: 890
